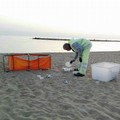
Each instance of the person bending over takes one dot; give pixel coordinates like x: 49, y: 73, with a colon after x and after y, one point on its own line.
x: 81, y: 47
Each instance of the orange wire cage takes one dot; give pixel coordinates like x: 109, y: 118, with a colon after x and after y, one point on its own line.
x: 27, y: 62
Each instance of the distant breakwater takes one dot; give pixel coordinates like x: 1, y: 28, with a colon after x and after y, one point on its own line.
x: 66, y: 39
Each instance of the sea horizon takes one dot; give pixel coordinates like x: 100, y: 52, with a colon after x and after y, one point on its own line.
x: 66, y: 36
x: 26, y: 44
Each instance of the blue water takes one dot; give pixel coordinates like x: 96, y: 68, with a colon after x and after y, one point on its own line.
x: 25, y: 44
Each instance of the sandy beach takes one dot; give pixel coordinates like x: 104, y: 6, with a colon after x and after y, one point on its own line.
x: 59, y: 96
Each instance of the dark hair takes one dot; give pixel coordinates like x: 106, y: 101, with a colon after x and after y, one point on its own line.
x: 66, y: 46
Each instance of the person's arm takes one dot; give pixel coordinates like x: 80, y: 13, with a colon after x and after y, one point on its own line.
x: 78, y: 49
x: 76, y: 56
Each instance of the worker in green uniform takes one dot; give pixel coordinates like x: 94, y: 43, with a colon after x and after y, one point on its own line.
x: 82, y: 49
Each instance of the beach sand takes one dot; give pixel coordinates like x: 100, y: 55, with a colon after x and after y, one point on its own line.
x: 59, y: 96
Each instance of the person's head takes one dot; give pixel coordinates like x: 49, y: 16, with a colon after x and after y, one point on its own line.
x: 67, y: 47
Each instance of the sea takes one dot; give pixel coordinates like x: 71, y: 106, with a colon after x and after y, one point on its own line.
x: 26, y: 44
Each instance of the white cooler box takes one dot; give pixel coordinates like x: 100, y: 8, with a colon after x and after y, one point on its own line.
x: 105, y: 71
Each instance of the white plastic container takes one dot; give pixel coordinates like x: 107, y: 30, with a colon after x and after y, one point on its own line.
x: 105, y: 71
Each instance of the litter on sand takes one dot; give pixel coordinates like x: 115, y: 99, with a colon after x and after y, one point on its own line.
x: 67, y: 69
x: 39, y: 76
x: 48, y: 76
x: 65, y: 81
x: 67, y: 64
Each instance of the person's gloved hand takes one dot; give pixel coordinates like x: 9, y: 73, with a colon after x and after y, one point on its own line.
x: 72, y: 61
x: 80, y: 59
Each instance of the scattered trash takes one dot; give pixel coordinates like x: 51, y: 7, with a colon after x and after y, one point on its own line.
x: 39, y: 76
x: 83, y: 109
x: 65, y: 81
x: 48, y: 76
x: 67, y: 69
x: 67, y: 64
x: 97, y: 82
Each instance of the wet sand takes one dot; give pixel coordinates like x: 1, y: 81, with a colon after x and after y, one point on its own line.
x: 61, y: 96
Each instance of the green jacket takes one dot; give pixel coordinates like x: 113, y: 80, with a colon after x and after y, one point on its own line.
x: 78, y: 46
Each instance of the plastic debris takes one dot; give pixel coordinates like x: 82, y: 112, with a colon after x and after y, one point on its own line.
x: 83, y: 109
x: 39, y: 76
x: 67, y: 64
x: 65, y: 81
x: 48, y: 76
x: 67, y: 69
x: 97, y: 82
